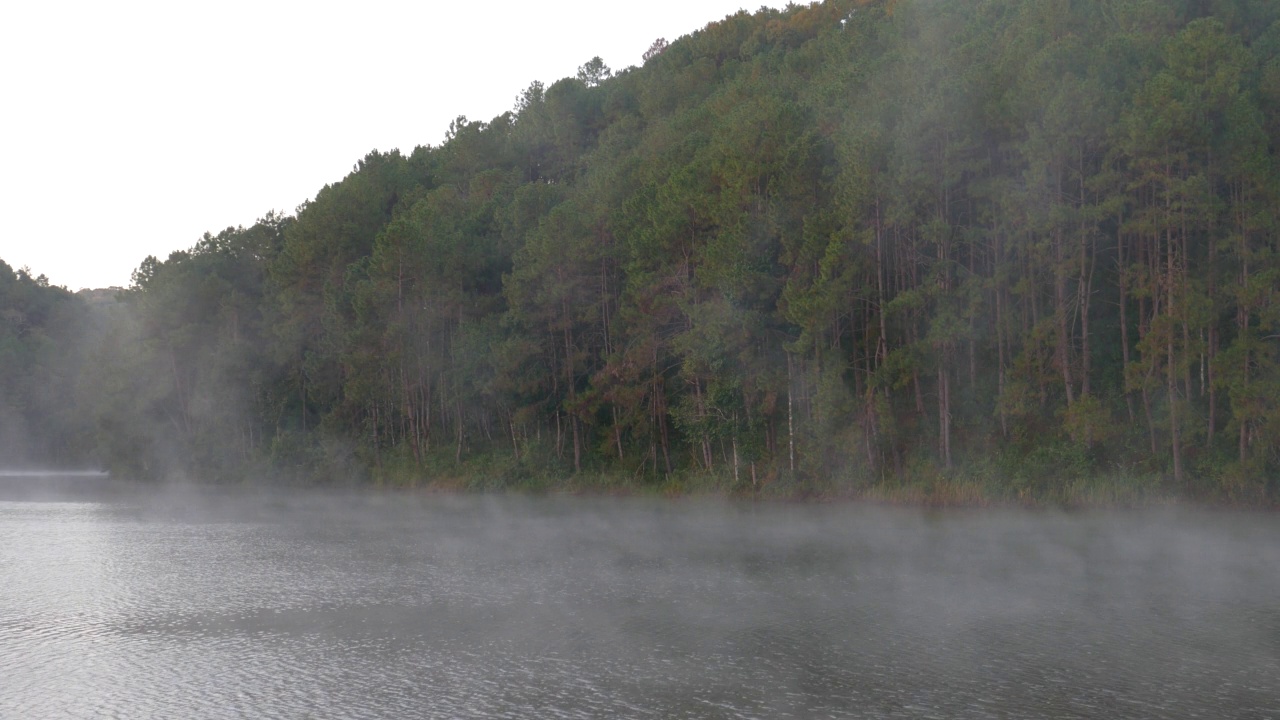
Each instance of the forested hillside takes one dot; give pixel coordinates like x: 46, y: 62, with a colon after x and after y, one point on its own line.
x: 1025, y: 244
x: 43, y: 404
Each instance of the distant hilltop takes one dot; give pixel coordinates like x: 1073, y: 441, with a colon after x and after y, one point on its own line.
x: 100, y: 296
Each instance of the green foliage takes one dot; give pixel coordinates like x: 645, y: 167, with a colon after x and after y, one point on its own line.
x: 46, y: 339
x: 949, y: 250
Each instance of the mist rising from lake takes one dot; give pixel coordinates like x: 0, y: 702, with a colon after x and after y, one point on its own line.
x: 36, y: 474
x: 391, y: 606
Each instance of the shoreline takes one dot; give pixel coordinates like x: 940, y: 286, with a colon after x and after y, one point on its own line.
x: 947, y: 495
x: 966, y: 492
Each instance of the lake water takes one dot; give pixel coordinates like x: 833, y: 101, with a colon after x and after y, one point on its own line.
x: 328, y: 605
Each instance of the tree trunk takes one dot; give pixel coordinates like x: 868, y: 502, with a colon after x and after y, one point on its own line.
x: 944, y: 415
x: 734, y: 440
x: 1062, y: 353
x: 1172, y: 383
x: 1242, y: 319
x: 1123, y: 280
x: 617, y: 432
x: 1086, y: 295
x: 791, y: 424
x: 457, y: 455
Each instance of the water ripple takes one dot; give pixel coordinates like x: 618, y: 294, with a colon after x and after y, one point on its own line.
x: 447, y: 608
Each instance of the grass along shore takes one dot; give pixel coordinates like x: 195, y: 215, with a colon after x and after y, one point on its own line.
x: 978, y: 484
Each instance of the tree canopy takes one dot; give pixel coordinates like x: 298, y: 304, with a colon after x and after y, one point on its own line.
x: 832, y: 246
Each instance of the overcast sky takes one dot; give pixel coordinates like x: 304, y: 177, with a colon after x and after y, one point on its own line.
x: 130, y: 128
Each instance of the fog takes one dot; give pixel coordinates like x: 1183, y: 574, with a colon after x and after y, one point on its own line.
x: 25, y: 473
x: 265, y: 604
x: 755, y: 266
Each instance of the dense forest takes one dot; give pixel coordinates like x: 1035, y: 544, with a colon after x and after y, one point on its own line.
x: 1011, y: 248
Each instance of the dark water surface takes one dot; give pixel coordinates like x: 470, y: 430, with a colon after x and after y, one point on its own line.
x: 396, y: 606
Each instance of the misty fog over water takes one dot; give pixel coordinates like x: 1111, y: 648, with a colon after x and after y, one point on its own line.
x: 249, y: 604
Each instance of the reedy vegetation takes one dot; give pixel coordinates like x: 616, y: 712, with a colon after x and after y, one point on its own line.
x: 842, y: 246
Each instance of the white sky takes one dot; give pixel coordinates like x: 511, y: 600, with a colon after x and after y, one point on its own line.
x: 130, y: 128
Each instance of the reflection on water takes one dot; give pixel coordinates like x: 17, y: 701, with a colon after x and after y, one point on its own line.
x: 392, y: 606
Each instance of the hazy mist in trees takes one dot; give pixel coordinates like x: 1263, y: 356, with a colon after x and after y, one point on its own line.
x: 838, y: 244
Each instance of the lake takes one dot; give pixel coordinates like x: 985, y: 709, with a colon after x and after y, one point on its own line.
x: 183, y: 603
